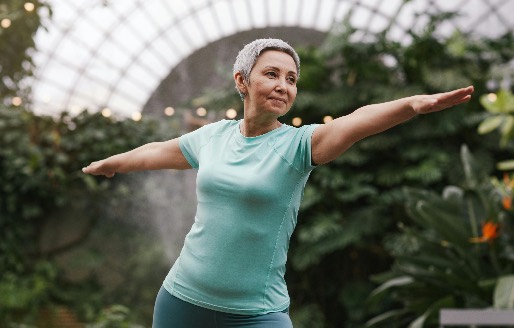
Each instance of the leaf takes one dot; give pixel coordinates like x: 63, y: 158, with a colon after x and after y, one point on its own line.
x: 395, y: 282
x: 503, y: 297
x: 434, y: 308
x: 506, y: 130
x: 490, y: 106
x: 472, y: 171
x: 505, y: 101
x: 447, y: 224
x: 506, y: 165
x: 490, y: 124
x: 385, y: 317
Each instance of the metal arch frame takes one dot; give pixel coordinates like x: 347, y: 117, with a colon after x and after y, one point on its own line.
x: 193, y: 12
x: 493, y: 9
x: 176, y: 23
x: 94, y: 55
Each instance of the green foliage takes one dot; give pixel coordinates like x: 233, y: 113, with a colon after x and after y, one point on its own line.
x: 20, y: 293
x: 442, y: 261
x: 350, y: 203
x: 501, y: 108
x: 41, y: 182
x: 17, y: 42
x: 116, y: 316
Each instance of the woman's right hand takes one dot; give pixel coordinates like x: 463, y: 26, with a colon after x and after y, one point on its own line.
x: 98, y: 168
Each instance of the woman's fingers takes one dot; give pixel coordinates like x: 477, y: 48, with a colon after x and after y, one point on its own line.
x: 440, y: 101
x: 456, y: 96
x: 95, y: 168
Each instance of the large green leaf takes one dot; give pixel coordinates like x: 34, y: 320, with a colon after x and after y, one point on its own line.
x: 449, y: 225
x: 395, y: 282
x: 506, y: 165
x: 386, y: 317
x: 503, y: 297
x: 490, y: 124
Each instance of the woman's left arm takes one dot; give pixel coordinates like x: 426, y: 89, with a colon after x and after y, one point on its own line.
x: 332, y: 139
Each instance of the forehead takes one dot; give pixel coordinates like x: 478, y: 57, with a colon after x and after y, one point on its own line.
x: 276, y: 58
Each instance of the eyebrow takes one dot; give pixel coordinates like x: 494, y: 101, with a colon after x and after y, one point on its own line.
x: 278, y: 69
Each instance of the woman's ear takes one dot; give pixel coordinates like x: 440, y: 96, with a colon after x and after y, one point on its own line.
x: 240, y: 82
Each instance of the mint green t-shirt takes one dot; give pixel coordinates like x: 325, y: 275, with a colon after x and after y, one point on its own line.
x: 248, y: 192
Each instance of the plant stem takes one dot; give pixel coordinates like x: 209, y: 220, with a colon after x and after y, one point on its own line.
x: 474, y: 224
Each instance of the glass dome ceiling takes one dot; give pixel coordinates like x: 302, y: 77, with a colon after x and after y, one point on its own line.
x: 100, y: 54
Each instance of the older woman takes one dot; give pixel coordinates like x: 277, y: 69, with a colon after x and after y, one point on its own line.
x: 251, y: 177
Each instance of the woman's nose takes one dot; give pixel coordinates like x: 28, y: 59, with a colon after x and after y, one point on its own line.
x: 281, y: 86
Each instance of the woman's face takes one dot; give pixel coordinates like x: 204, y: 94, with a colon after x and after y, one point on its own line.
x: 272, y: 87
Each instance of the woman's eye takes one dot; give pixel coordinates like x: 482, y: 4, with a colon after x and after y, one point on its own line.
x: 291, y: 80
x: 271, y: 74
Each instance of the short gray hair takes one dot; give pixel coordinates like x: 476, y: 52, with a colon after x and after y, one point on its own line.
x: 247, y: 57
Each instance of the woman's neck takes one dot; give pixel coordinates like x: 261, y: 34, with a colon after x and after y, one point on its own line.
x: 250, y: 128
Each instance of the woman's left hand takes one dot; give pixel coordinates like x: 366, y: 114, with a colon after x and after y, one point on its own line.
x: 424, y: 104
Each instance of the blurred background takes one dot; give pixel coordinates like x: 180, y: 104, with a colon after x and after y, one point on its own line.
x: 406, y: 223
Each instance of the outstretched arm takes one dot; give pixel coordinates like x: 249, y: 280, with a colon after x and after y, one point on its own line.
x: 332, y: 139
x: 152, y: 156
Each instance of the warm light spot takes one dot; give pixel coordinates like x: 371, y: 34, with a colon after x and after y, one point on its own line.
x: 169, y: 111
x: 327, y: 119
x: 231, y: 113
x: 16, y: 101
x: 106, y: 112
x: 29, y: 6
x: 492, y: 97
x: 297, y: 121
x: 136, y: 116
x: 201, y: 111
x: 5, y: 23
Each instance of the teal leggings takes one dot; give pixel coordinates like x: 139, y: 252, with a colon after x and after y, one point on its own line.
x: 172, y: 312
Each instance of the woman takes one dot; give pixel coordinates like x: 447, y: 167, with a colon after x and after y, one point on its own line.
x: 251, y: 177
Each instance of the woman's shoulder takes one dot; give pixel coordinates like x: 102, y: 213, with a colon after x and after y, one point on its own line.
x: 218, y: 127
x: 290, y: 131
x: 224, y: 124
x: 294, y: 137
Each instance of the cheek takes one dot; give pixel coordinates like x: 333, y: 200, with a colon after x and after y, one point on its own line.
x: 263, y: 86
x: 293, y: 91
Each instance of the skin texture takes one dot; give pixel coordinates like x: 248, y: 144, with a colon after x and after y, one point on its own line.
x: 270, y: 92
x: 268, y: 95
x: 332, y: 139
x: 248, y: 55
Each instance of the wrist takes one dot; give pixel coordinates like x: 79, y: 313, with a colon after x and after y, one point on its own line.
x: 409, y: 107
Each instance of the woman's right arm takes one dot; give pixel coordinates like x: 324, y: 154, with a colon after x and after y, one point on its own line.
x: 151, y: 156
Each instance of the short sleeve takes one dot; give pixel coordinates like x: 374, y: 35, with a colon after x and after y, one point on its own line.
x: 296, y: 147
x: 305, y: 148
x: 191, y: 143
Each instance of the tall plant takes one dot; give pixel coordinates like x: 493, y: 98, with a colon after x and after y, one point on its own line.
x: 458, y: 249
x: 352, y: 203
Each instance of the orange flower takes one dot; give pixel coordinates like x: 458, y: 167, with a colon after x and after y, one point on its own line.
x: 490, y: 231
